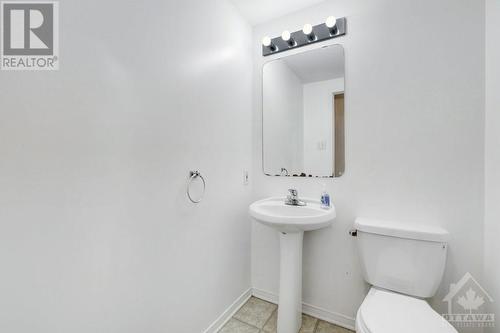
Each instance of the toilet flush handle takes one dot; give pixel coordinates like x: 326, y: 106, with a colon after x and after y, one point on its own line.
x: 353, y: 232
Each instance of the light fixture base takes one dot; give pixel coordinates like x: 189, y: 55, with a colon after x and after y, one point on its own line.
x: 321, y: 33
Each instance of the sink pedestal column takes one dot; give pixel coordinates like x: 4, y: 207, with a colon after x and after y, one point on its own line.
x: 290, y: 295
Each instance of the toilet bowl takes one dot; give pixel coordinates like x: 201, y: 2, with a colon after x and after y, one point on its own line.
x: 385, y: 311
x: 404, y: 264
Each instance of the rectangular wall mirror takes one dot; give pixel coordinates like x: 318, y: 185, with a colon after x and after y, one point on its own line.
x: 303, y: 114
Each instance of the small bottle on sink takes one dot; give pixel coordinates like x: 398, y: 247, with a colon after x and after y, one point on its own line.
x: 325, y: 198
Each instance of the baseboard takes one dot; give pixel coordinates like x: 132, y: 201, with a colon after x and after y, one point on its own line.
x: 229, y: 312
x: 265, y: 295
x: 311, y: 310
x: 329, y: 316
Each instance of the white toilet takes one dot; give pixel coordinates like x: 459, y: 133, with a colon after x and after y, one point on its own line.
x: 404, y: 264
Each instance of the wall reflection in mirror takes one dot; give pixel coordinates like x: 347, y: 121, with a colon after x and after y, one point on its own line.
x: 303, y: 114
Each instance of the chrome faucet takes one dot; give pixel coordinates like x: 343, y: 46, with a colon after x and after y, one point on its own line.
x: 293, y: 198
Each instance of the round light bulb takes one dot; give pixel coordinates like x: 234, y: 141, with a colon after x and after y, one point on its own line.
x: 286, y: 35
x: 308, y: 29
x: 331, y: 22
x: 266, y: 41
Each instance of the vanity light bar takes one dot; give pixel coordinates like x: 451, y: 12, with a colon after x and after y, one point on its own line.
x: 332, y: 28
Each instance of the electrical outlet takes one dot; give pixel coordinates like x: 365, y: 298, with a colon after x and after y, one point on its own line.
x: 245, y: 177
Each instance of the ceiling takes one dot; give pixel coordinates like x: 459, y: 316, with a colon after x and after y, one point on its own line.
x: 318, y: 65
x: 260, y: 11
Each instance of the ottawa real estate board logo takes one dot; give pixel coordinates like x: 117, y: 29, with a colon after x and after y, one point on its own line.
x: 29, y: 35
x: 468, y: 302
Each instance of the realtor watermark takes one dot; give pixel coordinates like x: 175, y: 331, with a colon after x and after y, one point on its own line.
x: 467, y: 304
x: 29, y: 35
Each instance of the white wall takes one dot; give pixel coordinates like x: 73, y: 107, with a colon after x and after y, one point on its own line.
x: 414, y: 140
x: 284, y: 116
x: 318, y: 125
x: 96, y: 233
x: 492, y: 215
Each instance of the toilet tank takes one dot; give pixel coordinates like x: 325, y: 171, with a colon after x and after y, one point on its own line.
x: 409, y: 259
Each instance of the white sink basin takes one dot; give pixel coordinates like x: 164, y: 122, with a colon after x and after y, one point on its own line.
x: 291, y: 222
x: 290, y: 219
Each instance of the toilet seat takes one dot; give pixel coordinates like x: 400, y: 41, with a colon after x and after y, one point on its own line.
x: 385, y: 311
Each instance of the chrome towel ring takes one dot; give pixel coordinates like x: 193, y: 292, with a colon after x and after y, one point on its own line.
x: 192, y: 176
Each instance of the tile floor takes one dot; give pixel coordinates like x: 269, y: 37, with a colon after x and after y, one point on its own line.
x: 258, y: 316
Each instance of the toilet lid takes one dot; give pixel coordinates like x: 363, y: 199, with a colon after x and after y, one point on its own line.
x: 384, y: 311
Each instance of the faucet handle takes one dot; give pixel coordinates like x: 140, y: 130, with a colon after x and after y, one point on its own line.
x: 293, y: 192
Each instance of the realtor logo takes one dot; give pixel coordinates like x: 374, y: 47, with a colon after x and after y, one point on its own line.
x: 467, y: 302
x: 29, y: 32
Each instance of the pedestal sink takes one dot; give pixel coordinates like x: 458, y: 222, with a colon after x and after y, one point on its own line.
x: 291, y: 222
